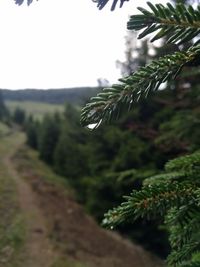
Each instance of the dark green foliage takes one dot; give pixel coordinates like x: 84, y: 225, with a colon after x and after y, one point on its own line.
x: 31, y: 128
x: 178, y: 128
x: 69, y: 159
x: 19, y: 116
x: 47, y: 138
x: 20, y: 2
x: 173, y: 195
x: 3, y: 109
x: 179, y: 24
x: 191, y: 264
x: 113, y: 101
x: 101, y: 3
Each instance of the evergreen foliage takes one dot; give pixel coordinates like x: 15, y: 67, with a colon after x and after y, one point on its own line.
x: 3, y: 109
x: 101, y: 3
x: 47, y: 138
x: 69, y: 157
x: 20, y: 2
x: 19, y: 116
x: 31, y: 128
x: 108, y: 104
x: 174, y: 194
x: 179, y: 24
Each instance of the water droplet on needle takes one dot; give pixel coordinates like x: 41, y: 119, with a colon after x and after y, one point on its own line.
x: 93, y: 126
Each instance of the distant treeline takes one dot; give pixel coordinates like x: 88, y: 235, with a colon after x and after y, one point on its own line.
x: 56, y: 96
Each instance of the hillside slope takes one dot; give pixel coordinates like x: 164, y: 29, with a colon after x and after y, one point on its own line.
x: 69, y: 236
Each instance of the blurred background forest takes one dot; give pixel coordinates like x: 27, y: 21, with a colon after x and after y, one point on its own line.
x: 104, y: 165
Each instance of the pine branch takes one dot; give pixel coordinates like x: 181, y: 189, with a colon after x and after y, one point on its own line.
x: 109, y: 104
x: 198, y: 193
x: 20, y: 2
x: 179, y: 24
x: 179, y: 236
x: 164, y: 177
x: 183, y: 225
x: 184, y: 214
x: 150, y: 201
x: 182, y: 168
x: 101, y: 3
x: 185, y: 253
x: 189, y: 164
x: 191, y: 264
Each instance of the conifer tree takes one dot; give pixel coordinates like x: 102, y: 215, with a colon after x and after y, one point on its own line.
x: 175, y: 193
x: 3, y: 109
x: 47, y: 138
x: 19, y: 116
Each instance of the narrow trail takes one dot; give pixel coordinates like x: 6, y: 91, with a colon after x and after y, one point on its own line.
x: 58, y: 229
x: 38, y: 250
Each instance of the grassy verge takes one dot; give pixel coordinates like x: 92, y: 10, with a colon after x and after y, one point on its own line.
x: 12, y: 226
x: 13, y: 232
x: 4, y: 129
x: 27, y: 159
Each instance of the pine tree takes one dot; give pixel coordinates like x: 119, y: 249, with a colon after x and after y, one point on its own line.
x: 175, y: 193
x: 19, y: 116
x: 3, y: 109
x: 31, y: 129
x: 47, y: 138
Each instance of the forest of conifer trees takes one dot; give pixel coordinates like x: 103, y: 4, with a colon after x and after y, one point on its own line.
x: 145, y: 142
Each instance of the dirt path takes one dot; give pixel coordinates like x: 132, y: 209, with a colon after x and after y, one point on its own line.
x: 76, y: 235
x: 38, y: 250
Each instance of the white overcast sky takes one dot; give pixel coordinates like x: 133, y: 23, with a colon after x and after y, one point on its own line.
x: 61, y: 43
